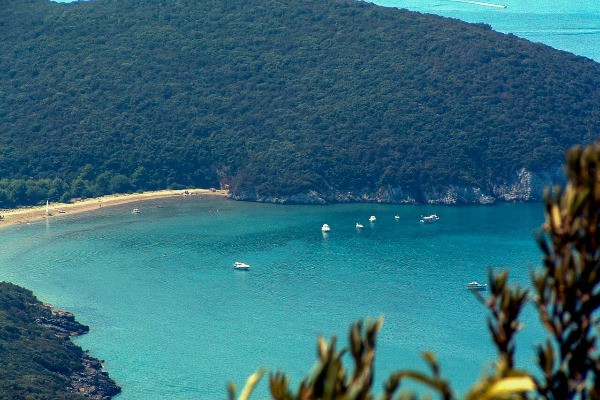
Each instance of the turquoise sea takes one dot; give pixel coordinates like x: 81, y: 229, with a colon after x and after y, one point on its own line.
x: 174, y: 320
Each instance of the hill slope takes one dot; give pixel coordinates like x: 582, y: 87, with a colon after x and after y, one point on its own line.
x: 301, y: 101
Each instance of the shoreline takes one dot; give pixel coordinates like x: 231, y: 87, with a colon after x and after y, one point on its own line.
x: 25, y: 215
x: 92, y: 381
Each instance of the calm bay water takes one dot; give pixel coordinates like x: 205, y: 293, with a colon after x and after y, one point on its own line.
x: 174, y: 320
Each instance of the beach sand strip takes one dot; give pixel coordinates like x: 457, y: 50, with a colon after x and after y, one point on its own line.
x: 30, y: 214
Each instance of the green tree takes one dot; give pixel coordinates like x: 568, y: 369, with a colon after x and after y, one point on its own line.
x: 102, y: 183
x: 79, y: 188
x: 119, y: 184
x: 139, y: 178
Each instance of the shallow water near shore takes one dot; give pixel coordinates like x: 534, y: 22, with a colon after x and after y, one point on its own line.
x: 173, y: 319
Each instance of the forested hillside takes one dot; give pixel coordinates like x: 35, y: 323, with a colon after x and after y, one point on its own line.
x: 344, y: 100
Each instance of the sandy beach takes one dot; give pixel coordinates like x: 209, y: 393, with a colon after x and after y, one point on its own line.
x: 30, y: 214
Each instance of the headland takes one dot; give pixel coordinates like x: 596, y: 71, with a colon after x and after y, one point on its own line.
x: 44, y: 362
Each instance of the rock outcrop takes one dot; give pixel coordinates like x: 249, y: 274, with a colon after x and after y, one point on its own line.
x: 61, y: 322
x: 524, y: 186
x: 91, y: 382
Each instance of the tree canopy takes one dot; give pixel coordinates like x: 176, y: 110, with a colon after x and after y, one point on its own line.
x: 275, y: 98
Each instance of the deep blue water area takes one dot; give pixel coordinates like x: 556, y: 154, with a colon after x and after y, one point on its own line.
x: 173, y: 319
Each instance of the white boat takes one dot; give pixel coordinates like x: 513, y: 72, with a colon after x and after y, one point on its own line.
x: 429, y: 218
x: 241, y: 265
x: 358, y: 226
x: 372, y: 218
x: 325, y: 228
x: 476, y: 286
x: 135, y: 211
x: 397, y: 217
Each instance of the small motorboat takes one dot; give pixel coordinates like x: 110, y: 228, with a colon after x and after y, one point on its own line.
x: 372, y: 218
x: 241, y: 265
x: 429, y: 218
x: 397, y: 217
x: 358, y: 226
x: 476, y: 286
x: 135, y: 211
x: 325, y: 228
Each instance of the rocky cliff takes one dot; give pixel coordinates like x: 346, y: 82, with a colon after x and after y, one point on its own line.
x: 92, y: 381
x: 524, y: 186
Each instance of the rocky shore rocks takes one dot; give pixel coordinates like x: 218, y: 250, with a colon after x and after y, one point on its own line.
x: 62, y: 323
x: 91, y: 382
x: 524, y: 186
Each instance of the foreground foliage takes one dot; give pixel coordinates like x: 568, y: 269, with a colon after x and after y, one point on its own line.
x: 567, y: 297
x: 275, y: 97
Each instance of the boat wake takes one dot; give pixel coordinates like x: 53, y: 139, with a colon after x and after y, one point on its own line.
x: 480, y: 3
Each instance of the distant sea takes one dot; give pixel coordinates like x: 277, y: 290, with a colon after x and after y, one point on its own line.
x: 174, y: 320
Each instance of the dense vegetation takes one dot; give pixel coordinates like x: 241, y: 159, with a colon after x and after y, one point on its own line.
x: 35, y: 362
x: 567, y: 298
x: 274, y: 97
